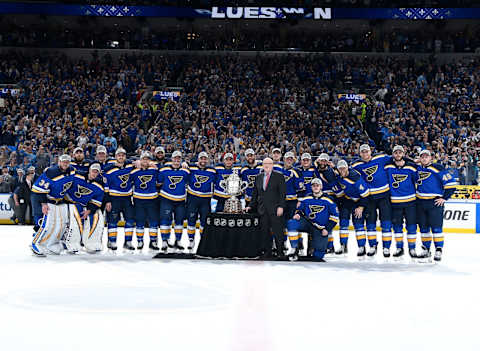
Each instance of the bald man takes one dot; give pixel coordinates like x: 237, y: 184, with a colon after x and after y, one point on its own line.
x: 268, y: 200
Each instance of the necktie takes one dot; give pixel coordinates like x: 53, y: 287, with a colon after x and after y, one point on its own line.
x: 267, y: 178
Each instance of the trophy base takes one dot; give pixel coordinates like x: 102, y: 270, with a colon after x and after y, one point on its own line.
x: 233, y: 206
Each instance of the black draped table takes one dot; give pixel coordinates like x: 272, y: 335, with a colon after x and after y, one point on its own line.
x: 231, y: 236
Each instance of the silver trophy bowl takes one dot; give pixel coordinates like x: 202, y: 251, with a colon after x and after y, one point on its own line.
x: 234, y: 186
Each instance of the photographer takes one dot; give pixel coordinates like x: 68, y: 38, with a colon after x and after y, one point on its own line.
x: 21, y: 196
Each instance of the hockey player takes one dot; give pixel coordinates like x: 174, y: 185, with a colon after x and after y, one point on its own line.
x: 48, y: 200
x: 434, y: 187
x: 79, y: 163
x: 327, y: 176
x: 402, y: 177
x: 145, y: 194
x: 223, y: 172
x: 119, y: 188
x: 353, y: 193
x: 294, y: 184
x: 316, y: 215
x: 160, y: 160
x: 102, y: 157
x: 277, y: 159
x: 372, y: 169
x: 200, y: 191
x: 307, y: 172
x: 173, y: 192
x: 249, y: 173
x: 86, y: 219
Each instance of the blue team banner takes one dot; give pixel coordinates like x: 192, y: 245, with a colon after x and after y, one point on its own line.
x: 166, y: 95
x: 258, y: 13
x: 4, y: 92
x: 351, y: 97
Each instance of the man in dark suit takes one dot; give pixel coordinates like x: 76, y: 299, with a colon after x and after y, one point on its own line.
x: 268, y: 200
x: 22, y: 194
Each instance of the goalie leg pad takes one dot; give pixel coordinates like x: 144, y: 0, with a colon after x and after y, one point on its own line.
x: 93, y: 232
x: 72, y: 236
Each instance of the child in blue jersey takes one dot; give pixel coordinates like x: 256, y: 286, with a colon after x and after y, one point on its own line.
x: 50, y: 211
x: 316, y: 215
x: 402, y: 177
x: 434, y: 187
x: 249, y: 173
x: 372, y: 169
x: 173, y: 192
x: 120, y: 189
x: 145, y: 194
x: 200, y: 191
x: 353, y: 193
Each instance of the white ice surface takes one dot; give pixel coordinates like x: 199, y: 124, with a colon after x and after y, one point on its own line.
x: 131, y: 302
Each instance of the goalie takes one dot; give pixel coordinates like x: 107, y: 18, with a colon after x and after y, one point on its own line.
x: 86, y: 223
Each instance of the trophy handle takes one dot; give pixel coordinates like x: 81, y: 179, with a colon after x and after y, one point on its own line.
x: 243, y: 186
x: 223, y: 184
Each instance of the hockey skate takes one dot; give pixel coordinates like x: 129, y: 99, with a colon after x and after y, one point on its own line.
x: 386, y: 252
x: 438, y: 254
x: 112, y: 245
x: 140, y: 245
x: 425, y: 256
x: 179, y: 247
x: 412, y: 253
x: 398, y: 253
x: 292, y: 254
x: 36, y: 251
x: 128, y: 246
x: 330, y: 251
x: 153, y: 245
x: 191, y: 246
x: 164, y: 246
x: 361, y: 251
x: 372, y: 251
x: 343, y: 250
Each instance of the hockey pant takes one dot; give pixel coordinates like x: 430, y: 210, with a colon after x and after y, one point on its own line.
x: 347, y: 211
x: 146, y: 210
x: 196, y: 207
x: 409, y: 213
x: 167, y: 209
x: 220, y: 203
x: 319, y: 242
x: 52, y: 226
x: 384, y: 207
x: 430, y: 221
x: 121, y: 205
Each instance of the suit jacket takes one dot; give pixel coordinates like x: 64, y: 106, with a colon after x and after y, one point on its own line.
x: 273, y: 197
x: 24, y: 191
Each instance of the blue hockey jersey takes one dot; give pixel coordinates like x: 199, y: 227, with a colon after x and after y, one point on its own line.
x: 145, y: 183
x: 307, y: 174
x: 201, y: 181
x: 223, y: 173
x: 352, y: 187
x: 328, y: 178
x: 81, y: 167
x: 173, y: 183
x: 87, y: 193
x: 118, y: 179
x: 374, y: 174
x: 434, y: 182
x: 249, y: 174
x: 320, y: 210
x: 278, y: 166
x: 294, y: 183
x: 402, y: 181
x: 53, y: 184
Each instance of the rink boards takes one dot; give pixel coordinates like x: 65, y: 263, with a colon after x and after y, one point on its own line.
x: 460, y: 216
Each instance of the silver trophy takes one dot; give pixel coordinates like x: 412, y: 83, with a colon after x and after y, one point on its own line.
x: 234, y: 186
